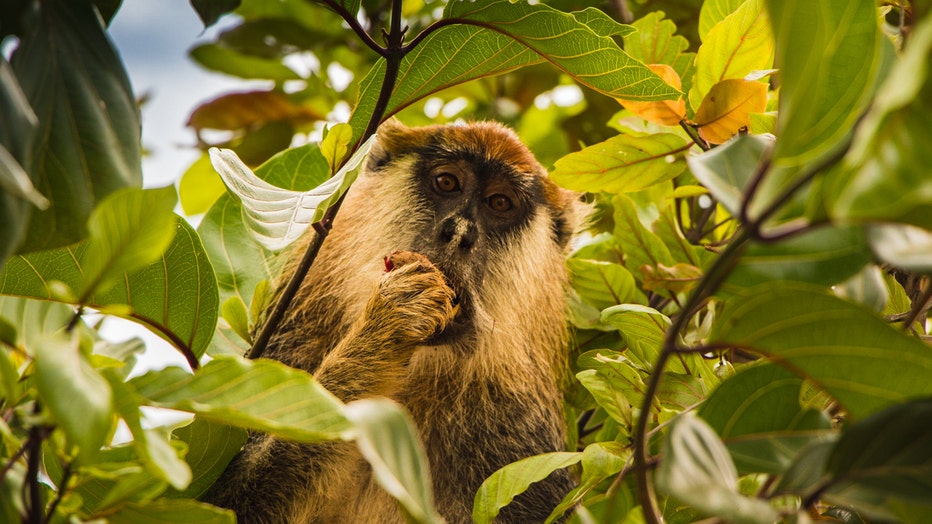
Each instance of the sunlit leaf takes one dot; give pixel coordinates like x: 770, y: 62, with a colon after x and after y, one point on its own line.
x: 88, y: 139
x: 500, y: 36
x: 256, y: 394
x: 668, y: 113
x: 845, y: 349
x: 179, y: 302
x: 79, y: 398
x: 389, y: 441
x: 508, y: 482
x: 697, y: 469
x: 335, y: 144
x: 199, y: 187
x: 886, y: 175
x: 727, y: 107
x: 738, y: 44
x: 277, y: 216
x: 906, y: 247
x: 623, y: 163
x: 714, y: 11
x: 130, y: 229
x: 759, y: 417
x: 656, y: 42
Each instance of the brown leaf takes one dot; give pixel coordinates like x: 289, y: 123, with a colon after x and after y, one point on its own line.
x: 726, y: 109
x: 236, y: 111
x: 667, y: 112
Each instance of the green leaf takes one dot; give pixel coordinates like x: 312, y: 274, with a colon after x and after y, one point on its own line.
x: 88, y: 137
x: 176, y: 296
x: 79, y: 399
x: 740, y: 43
x: 335, y: 145
x: 211, y: 447
x: 655, y: 43
x: 642, y: 328
x: 389, y: 441
x: 234, y: 312
x: 130, y: 229
x: 491, y: 38
x: 808, y: 470
x: 600, y: 461
x: 845, y: 349
x: 602, y: 24
x: 154, y: 449
x: 886, y: 175
x: 171, y: 511
x: 211, y: 10
x: 885, y: 456
x: 622, y: 164
x: 263, y: 395
x: 726, y: 170
x: 828, y: 55
x: 828, y: 255
x: 601, y: 284
x: 713, y: 12
x: 641, y: 246
x: 199, y: 187
x: 217, y: 57
x: 697, y: 469
x: 759, y: 417
x: 905, y: 247
x: 18, y: 125
x: 504, y: 485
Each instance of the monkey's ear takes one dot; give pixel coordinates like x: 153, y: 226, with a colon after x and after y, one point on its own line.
x: 394, y: 139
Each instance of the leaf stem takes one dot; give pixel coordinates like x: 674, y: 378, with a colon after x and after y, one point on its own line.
x: 393, y: 53
x: 694, y: 135
x: 351, y: 20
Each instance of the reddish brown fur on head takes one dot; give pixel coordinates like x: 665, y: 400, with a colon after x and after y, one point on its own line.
x: 491, y: 140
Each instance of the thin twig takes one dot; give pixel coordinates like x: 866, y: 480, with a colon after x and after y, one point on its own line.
x: 393, y: 54
x: 919, y: 305
x: 66, y: 476
x: 694, y: 135
x: 355, y: 26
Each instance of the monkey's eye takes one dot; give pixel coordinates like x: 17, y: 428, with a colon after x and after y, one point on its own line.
x: 500, y: 203
x: 447, y: 183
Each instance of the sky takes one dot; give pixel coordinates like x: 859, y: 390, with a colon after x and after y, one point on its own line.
x: 153, y: 38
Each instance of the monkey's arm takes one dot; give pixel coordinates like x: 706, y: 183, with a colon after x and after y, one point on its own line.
x: 273, y: 480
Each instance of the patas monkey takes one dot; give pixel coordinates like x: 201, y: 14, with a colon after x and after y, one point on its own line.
x: 442, y: 287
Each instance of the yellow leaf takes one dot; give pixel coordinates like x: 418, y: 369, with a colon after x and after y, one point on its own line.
x: 667, y: 112
x: 727, y: 108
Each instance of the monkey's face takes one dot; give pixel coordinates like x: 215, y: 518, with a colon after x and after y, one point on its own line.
x: 480, y: 208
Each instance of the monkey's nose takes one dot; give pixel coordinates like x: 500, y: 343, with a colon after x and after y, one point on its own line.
x: 459, y: 231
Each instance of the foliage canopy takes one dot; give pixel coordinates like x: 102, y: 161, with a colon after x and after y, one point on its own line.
x: 750, y: 301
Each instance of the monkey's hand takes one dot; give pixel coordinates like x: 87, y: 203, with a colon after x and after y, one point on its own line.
x: 413, y: 301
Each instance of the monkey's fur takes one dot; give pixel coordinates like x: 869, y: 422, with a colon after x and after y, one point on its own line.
x: 469, y: 334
